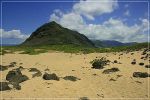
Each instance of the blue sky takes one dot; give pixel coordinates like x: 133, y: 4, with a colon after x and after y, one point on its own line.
x: 109, y: 21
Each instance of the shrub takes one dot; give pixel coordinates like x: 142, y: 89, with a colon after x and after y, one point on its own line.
x: 99, y: 63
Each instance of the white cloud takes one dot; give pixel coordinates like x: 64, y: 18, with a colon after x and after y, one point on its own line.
x: 112, y: 29
x: 127, y: 13
x: 13, y: 34
x: 90, y: 9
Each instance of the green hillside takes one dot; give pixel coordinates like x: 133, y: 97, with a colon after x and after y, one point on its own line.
x: 54, y: 34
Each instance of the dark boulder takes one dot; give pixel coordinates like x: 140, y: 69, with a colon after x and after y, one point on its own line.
x: 3, y: 68
x: 141, y: 74
x: 71, y: 78
x: 52, y: 76
x: 141, y: 64
x: 16, y: 76
x: 147, y: 66
x: 133, y: 62
x: 115, y: 61
x: 4, y: 86
x: 109, y: 71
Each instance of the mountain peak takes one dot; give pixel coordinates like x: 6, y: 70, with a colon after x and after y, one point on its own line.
x: 53, y: 33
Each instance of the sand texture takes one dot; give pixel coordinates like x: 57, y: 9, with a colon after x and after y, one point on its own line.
x: 90, y: 83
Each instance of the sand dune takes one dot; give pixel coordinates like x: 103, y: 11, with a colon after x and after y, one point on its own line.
x: 92, y: 83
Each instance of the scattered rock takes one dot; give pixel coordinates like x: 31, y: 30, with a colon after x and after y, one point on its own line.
x: 133, y: 62
x: 12, y: 64
x: 141, y: 64
x: 52, y: 76
x: 33, y: 70
x: 132, y: 53
x: 145, y: 52
x: 37, y: 72
x: 84, y: 98
x: 115, y: 61
x: 142, y: 57
x: 16, y: 85
x: 99, y: 63
x: 138, y: 82
x: 46, y: 69
x: 120, y: 54
x: 94, y: 74
x: 4, y: 86
x: 112, y: 79
x: 147, y: 66
x: 141, y: 74
x: 109, y: 71
x: 71, y: 78
x: 119, y: 76
x: 20, y: 63
x: 16, y: 76
x: 3, y: 68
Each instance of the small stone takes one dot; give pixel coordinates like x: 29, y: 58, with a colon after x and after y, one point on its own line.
x: 141, y: 64
x: 108, y: 71
x: 147, y: 66
x: 71, y: 78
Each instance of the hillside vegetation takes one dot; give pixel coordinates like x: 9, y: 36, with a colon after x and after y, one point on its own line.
x: 69, y: 49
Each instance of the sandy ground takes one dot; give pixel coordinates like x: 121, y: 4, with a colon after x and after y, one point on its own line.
x: 93, y: 84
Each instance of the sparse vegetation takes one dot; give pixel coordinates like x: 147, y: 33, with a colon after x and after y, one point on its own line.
x: 32, y: 50
x: 99, y: 63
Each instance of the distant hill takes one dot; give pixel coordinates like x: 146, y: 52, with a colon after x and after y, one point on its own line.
x: 110, y: 43
x: 52, y: 34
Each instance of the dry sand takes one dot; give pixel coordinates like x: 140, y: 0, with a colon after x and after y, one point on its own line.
x: 93, y: 83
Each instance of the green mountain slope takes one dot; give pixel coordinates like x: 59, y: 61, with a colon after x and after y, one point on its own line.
x: 54, y: 34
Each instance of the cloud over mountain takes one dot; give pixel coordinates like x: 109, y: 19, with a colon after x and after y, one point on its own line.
x: 111, y: 29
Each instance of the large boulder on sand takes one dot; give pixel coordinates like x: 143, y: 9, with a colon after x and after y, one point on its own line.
x: 16, y: 76
x: 52, y: 76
